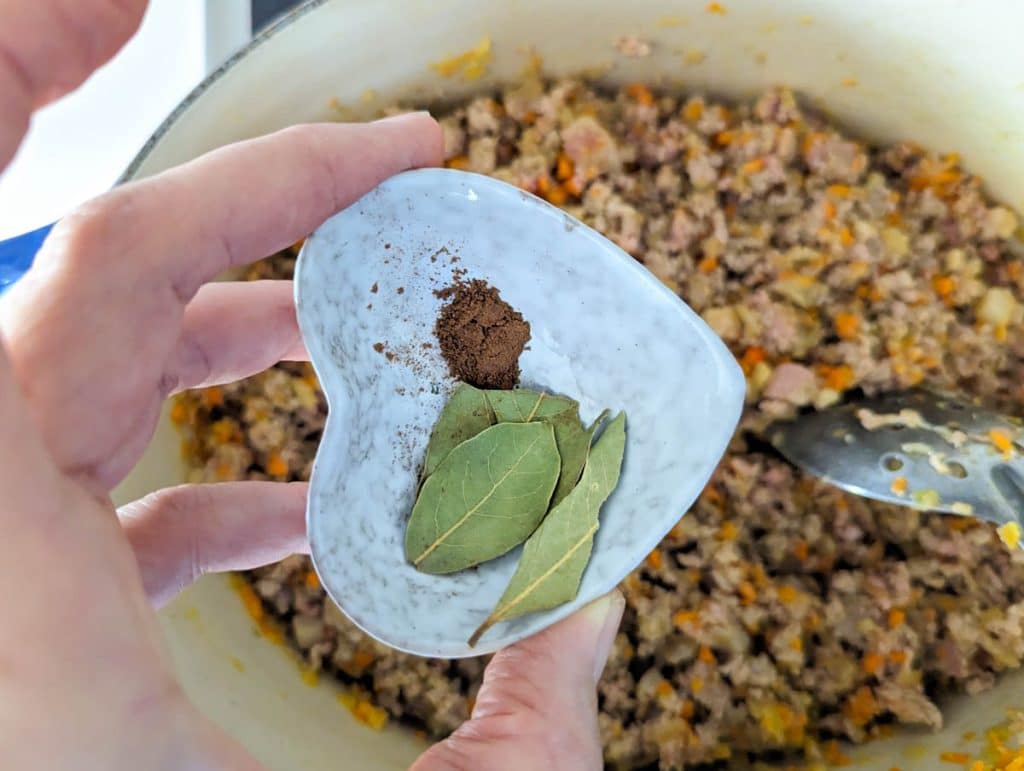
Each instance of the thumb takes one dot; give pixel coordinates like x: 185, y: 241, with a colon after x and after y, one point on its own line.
x: 537, y: 707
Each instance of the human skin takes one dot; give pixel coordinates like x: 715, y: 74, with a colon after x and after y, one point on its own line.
x: 116, y: 315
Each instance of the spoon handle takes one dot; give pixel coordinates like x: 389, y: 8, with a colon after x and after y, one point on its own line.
x: 17, y: 254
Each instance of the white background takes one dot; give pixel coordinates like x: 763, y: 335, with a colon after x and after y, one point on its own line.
x: 78, y: 146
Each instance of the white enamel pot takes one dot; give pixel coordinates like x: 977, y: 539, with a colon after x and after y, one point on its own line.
x: 946, y: 73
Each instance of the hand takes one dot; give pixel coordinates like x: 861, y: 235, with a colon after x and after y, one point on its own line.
x: 116, y: 315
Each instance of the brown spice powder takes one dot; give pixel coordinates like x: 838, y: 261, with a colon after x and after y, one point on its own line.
x: 481, y: 335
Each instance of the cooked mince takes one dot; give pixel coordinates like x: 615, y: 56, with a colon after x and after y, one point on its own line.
x: 780, y: 614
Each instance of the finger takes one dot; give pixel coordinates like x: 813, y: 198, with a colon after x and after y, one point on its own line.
x: 107, y: 293
x: 48, y: 47
x: 49, y: 521
x: 236, y: 204
x: 182, y: 533
x: 24, y: 463
x: 537, y: 707
x: 234, y: 330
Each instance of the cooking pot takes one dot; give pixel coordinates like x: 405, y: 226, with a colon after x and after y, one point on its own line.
x: 945, y: 73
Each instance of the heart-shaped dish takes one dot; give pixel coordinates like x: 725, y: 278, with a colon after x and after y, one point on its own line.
x: 604, y: 331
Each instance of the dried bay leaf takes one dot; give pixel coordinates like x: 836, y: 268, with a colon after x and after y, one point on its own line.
x: 466, y: 414
x: 556, y: 555
x: 521, y: 405
x: 573, y: 439
x: 484, y: 498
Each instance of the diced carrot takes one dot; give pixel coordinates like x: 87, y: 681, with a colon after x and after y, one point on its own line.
x: 847, y: 325
x: 712, y: 494
x: 898, y: 657
x: 224, y: 430
x: 943, y: 285
x: 573, y: 187
x: 277, y: 466
x: 797, y: 644
x: 686, y: 711
x: 759, y: 576
x: 898, y: 486
x: 213, y: 396
x: 250, y: 600
x: 563, y: 167
x: 639, y: 93
x: 747, y: 592
x: 543, y: 186
x: 860, y: 707
x: 834, y: 756
x: 696, y: 684
x: 664, y: 689
x: 838, y: 191
x: 872, y: 663
x: 707, y: 655
x: 810, y: 140
x: 787, y: 594
x: 1002, y: 442
x: 362, y: 659
x: 828, y: 210
x: 728, y: 531
x: 752, y: 166
x: 716, y: 8
x: 725, y: 137
x: 838, y: 378
x: 937, y: 178
x: 179, y: 413
x: 460, y: 162
x: 753, y: 356
x: 846, y: 237
x: 957, y: 758
x: 708, y: 265
x: 557, y: 195
x: 312, y: 580
x: 371, y: 715
x: 800, y: 550
x: 654, y: 560
x: 686, y: 617
x: 1009, y: 533
x: 693, y: 110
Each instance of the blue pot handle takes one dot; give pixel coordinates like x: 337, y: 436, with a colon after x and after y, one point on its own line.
x: 16, y: 255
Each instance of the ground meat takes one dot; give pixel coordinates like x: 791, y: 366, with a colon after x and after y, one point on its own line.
x: 780, y: 613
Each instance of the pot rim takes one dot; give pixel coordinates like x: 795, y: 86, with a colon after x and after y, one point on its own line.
x: 271, y: 31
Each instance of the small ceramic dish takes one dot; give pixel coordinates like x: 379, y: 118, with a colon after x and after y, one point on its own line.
x: 604, y: 331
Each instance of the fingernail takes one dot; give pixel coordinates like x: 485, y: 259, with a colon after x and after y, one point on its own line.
x: 402, y: 117
x: 606, y: 612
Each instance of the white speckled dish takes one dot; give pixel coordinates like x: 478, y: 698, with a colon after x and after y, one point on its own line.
x: 605, y: 332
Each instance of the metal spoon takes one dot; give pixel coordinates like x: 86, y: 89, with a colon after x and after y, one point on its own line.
x: 918, y: 449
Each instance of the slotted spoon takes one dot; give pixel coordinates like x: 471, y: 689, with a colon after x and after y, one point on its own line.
x: 919, y: 449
